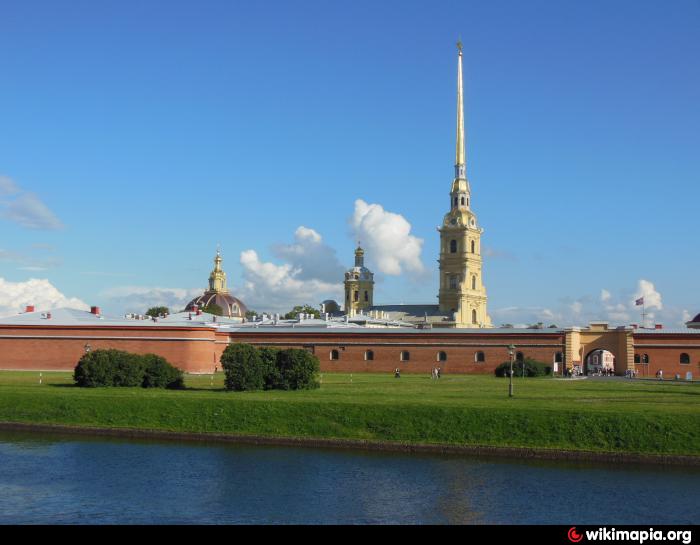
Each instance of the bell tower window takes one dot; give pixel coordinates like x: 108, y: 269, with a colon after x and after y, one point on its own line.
x: 453, y: 246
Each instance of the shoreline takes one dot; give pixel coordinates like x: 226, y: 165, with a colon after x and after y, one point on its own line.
x: 520, y: 453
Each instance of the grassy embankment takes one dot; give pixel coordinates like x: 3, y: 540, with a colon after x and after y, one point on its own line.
x: 592, y: 415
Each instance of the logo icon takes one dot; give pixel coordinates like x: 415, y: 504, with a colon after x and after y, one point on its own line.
x: 573, y: 535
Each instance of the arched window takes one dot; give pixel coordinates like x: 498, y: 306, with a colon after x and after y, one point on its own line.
x: 645, y: 358
x: 685, y: 358
x: 473, y: 246
x: 462, y: 201
x: 405, y: 355
x: 480, y: 357
x: 558, y: 357
x: 473, y: 316
x: 441, y: 356
x: 519, y: 356
x: 453, y: 282
x: 366, y: 295
x: 335, y: 355
x: 453, y: 246
x: 369, y: 355
x: 473, y: 282
x: 637, y: 358
x: 455, y: 201
x: 356, y: 295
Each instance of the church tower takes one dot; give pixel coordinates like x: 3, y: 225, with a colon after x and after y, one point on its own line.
x: 462, y: 290
x: 359, y: 286
x: 217, y: 278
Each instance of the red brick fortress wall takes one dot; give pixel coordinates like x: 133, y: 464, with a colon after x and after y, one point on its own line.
x: 59, y: 348
x: 423, y: 347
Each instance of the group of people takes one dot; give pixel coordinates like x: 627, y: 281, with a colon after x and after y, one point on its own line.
x: 631, y: 373
x: 603, y: 372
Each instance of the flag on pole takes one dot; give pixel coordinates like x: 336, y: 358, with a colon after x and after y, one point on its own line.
x: 639, y: 301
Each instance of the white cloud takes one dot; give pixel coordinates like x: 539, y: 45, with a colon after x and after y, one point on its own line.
x: 652, y: 298
x: 277, y: 288
x: 310, y: 257
x: 15, y: 296
x: 138, y: 299
x: 387, y: 239
x: 616, y: 309
x: 25, y: 208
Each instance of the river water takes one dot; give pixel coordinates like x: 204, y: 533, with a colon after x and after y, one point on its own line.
x: 60, y: 479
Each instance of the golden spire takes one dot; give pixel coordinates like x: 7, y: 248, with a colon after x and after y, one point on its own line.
x: 217, y: 278
x: 460, y: 160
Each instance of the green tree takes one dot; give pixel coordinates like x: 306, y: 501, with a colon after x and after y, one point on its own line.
x: 268, y: 355
x: 297, y: 370
x: 157, y: 311
x: 306, y: 309
x: 109, y: 368
x: 214, y: 309
x: 158, y: 373
x: 243, y: 367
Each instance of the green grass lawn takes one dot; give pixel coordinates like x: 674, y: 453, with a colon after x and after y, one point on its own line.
x: 599, y: 415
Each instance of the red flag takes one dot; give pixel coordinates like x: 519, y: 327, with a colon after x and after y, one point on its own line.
x: 639, y: 301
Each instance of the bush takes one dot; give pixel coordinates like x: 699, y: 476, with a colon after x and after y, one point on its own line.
x: 119, y: 368
x: 244, y: 367
x: 158, y: 373
x: 532, y: 368
x: 108, y: 368
x: 251, y: 368
x: 297, y: 370
x: 271, y: 375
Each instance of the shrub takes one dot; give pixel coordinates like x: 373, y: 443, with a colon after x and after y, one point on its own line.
x: 271, y: 375
x: 118, y: 368
x: 108, y: 368
x: 243, y: 366
x: 158, y: 373
x: 532, y: 368
x: 297, y: 370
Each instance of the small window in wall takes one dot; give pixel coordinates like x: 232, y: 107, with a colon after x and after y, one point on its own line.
x: 637, y: 358
x: 558, y: 357
x: 685, y: 358
x: 519, y: 356
x: 366, y: 296
x: 473, y: 282
x: 453, y: 246
x: 453, y: 282
x: 480, y: 357
x: 455, y: 201
x: 473, y: 316
x: 405, y: 355
x: 369, y: 355
x: 442, y: 356
x: 335, y: 355
x: 356, y: 296
x: 462, y: 201
x: 645, y: 358
x: 473, y: 247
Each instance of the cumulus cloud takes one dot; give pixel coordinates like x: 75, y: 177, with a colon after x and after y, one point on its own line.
x: 138, y: 299
x: 652, y: 298
x: 617, y: 309
x: 25, y: 208
x: 387, y: 238
x: 310, y: 257
x: 278, y: 288
x: 15, y: 296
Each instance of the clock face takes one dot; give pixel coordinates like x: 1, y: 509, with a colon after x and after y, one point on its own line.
x: 453, y: 221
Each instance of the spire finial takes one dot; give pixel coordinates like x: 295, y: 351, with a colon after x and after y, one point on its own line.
x: 460, y: 161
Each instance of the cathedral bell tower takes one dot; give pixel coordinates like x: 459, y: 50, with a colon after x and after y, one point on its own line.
x: 462, y: 290
x: 359, y: 285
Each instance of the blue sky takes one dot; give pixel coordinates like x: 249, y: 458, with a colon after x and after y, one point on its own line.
x: 135, y: 136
